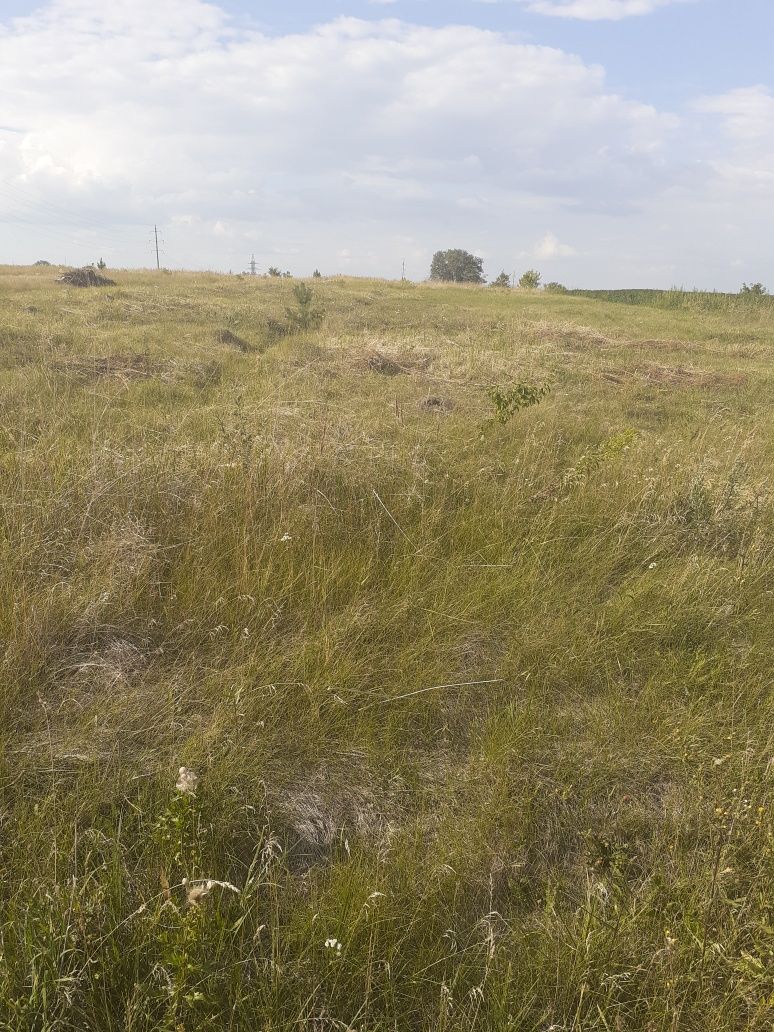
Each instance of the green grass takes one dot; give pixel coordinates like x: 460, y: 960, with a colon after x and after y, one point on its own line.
x: 489, y: 705
x: 689, y: 300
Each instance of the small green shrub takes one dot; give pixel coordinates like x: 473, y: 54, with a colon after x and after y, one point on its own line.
x: 508, y: 402
x: 304, y: 316
x: 592, y: 460
x: 530, y: 280
x: 503, y: 280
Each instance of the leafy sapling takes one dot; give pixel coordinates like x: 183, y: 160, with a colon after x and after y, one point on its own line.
x: 508, y: 402
x: 305, y: 316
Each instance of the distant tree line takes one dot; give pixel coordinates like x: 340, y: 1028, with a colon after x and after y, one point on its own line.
x: 459, y: 266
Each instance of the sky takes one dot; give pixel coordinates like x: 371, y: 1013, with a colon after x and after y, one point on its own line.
x: 606, y: 143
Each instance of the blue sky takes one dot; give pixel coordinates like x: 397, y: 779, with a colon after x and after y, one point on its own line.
x: 608, y: 142
x: 686, y: 49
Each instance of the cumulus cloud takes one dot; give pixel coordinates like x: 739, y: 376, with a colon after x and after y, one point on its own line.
x: 162, y: 109
x: 747, y: 114
x: 352, y: 145
x: 743, y: 162
x: 551, y: 247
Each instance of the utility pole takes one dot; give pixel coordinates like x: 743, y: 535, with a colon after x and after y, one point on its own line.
x: 156, y: 234
x: 252, y: 266
x: 403, y: 274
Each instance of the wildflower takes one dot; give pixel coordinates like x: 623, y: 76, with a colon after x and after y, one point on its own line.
x: 653, y: 566
x: 333, y: 944
x: 286, y: 537
x: 196, y: 891
x: 187, y: 781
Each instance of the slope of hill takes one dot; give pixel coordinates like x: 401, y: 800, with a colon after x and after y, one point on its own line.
x: 476, y: 716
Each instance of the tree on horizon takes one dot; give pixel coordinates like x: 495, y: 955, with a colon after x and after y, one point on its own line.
x: 457, y: 266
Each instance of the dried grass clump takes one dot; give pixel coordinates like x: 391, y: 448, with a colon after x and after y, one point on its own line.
x: 435, y: 404
x: 86, y: 277
x: 674, y: 376
x: 121, y: 367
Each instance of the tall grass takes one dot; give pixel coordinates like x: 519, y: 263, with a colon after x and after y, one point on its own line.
x: 480, y: 714
x: 677, y: 299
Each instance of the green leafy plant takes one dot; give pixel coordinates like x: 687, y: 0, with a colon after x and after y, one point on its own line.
x: 503, y: 280
x: 508, y: 402
x: 530, y: 280
x: 592, y: 460
x: 305, y: 316
x: 555, y: 288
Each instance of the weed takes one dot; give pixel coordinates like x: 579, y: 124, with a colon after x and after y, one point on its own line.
x: 596, y: 457
x: 507, y: 402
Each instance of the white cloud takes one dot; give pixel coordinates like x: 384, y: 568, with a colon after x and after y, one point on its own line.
x: 747, y: 114
x: 551, y: 247
x: 357, y: 143
x: 597, y: 10
x: 743, y: 156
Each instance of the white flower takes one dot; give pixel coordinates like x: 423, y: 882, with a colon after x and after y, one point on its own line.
x: 333, y: 944
x: 653, y: 566
x: 286, y: 537
x: 187, y: 781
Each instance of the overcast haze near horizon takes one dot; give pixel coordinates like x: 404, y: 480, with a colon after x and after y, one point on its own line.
x: 605, y: 142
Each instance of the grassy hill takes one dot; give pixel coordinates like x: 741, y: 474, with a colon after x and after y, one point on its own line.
x: 480, y: 712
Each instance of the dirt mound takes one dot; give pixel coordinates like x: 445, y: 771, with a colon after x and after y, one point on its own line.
x: 86, y: 277
x: 379, y: 363
x: 231, y: 340
x: 436, y: 404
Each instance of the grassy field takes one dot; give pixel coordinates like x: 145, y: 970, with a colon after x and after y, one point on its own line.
x: 481, y: 713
